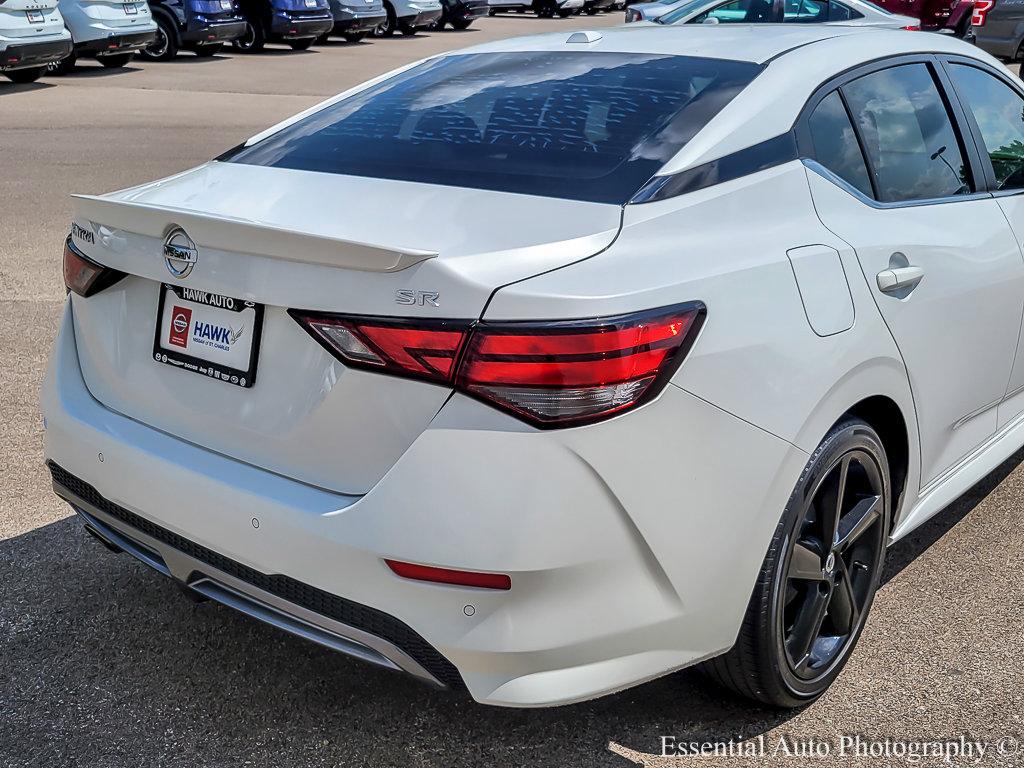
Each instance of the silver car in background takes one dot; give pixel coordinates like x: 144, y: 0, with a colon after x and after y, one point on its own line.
x: 859, y: 12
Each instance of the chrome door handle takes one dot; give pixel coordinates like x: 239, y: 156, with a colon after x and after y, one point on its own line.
x: 890, y: 280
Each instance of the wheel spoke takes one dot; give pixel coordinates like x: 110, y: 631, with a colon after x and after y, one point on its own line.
x: 858, y: 520
x: 805, y: 563
x: 807, y: 626
x: 832, y: 512
x: 843, y: 608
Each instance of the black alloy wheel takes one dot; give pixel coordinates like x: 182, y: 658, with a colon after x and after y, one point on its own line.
x: 832, y: 566
x: 819, y: 577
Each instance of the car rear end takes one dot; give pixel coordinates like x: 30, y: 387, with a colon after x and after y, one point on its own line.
x: 300, y: 19
x: 208, y: 22
x: 355, y: 16
x: 316, y: 407
x: 107, y: 27
x: 32, y: 34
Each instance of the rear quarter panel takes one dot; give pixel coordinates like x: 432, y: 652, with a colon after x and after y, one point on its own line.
x: 757, y: 356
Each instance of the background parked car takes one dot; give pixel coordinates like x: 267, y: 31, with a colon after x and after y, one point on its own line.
x: 592, y: 7
x: 111, y: 31
x: 408, y: 16
x: 461, y: 13
x: 32, y: 36
x: 543, y: 8
x: 857, y: 12
x: 297, y: 23
x: 998, y: 28
x: 201, y: 26
x: 355, y: 19
x: 935, y: 15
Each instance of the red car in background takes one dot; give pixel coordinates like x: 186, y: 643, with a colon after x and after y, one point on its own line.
x: 935, y: 15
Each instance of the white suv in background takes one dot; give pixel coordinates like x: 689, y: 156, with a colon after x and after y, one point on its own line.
x: 32, y: 36
x: 408, y: 16
x: 111, y: 31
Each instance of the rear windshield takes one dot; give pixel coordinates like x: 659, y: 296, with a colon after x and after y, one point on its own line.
x: 583, y: 126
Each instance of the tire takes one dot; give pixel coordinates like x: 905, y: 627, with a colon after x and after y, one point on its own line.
x: 590, y: 10
x: 461, y: 24
x: 252, y: 40
x: 63, y: 67
x: 407, y: 29
x: 833, y: 586
x: 388, y: 26
x: 564, y: 13
x: 355, y: 37
x: 27, y: 75
x: 545, y: 9
x: 208, y: 49
x: 115, y: 60
x: 302, y: 45
x: 165, y: 47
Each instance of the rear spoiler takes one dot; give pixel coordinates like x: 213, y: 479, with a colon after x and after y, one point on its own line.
x: 228, y: 233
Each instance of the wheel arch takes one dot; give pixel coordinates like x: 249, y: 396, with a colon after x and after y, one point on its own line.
x: 159, y: 11
x: 877, y: 392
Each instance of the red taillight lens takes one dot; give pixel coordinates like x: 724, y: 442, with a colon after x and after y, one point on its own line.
x: 418, y: 348
x: 83, y: 275
x: 912, y: 28
x: 980, y: 14
x: 568, y: 373
x: 551, y: 374
x: 449, y: 576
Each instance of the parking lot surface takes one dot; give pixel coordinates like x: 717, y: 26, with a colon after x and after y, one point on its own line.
x: 103, y: 663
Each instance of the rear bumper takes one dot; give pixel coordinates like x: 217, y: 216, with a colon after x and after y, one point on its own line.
x: 348, y: 20
x: 300, y: 28
x: 422, y: 18
x: 115, y: 43
x: 470, y: 10
x: 616, y: 557
x: 23, y: 55
x: 213, y: 32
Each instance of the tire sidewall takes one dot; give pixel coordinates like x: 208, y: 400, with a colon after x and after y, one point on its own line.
x: 842, y: 439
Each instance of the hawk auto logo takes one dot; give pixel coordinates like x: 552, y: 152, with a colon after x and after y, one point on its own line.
x: 180, y: 253
x: 181, y: 319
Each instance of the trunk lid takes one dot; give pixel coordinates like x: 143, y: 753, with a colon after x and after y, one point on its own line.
x: 27, y: 19
x: 295, y: 239
x: 117, y: 13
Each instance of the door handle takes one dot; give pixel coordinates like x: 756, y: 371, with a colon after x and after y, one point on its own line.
x: 891, y: 280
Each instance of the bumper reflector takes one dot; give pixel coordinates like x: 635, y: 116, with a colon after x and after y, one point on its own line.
x: 449, y: 576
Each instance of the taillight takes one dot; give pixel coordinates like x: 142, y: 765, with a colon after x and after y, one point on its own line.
x: 633, y: 15
x: 420, y: 349
x: 980, y: 14
x: 551, y: 374
x: 912, y: 28
x: 83, y: 275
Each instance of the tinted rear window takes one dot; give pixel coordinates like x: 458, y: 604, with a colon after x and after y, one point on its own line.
x: 583, y: 126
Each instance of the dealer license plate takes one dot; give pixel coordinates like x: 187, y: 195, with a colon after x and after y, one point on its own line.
x: 208, y: 334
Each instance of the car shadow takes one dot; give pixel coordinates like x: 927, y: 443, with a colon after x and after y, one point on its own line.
x: 95, y: 69
x: 7, y: 87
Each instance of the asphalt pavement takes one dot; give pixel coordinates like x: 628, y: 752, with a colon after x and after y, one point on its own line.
x: 104, y: 663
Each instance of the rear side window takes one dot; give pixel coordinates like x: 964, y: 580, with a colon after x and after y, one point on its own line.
x: 835, y: 143
x: 999, y: 112
x: 739, y: 12
x: 912, y: 148
x: 811, y: 11
x: 585, y: 126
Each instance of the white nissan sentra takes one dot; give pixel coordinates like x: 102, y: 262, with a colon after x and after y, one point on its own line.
x: 554, y: 365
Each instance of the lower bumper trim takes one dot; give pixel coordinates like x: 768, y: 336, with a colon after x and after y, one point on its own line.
x: 303, y: 610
